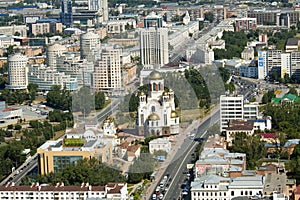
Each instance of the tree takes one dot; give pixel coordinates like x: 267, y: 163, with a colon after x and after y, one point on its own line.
x: 32, y: 89
x: 83, y: 101
x: 59, y: 98
x: 99, y: 100
x: 267, y: 97
x: 293, y: 91
x: 251, y: 145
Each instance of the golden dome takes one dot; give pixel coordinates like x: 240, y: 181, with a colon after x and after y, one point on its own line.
x: 108, y: 119
x: 165, y: 93
x: 142, y: 94
x: 174, y: 114
x: 170, y: 90
x: 155, y: 75
x: 153, y: 117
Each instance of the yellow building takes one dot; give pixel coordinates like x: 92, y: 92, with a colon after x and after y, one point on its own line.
x: 55, y: 155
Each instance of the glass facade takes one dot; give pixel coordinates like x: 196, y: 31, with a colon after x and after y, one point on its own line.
x: 62, y: 161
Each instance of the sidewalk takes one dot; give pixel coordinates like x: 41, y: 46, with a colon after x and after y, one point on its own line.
x: 178, y: 142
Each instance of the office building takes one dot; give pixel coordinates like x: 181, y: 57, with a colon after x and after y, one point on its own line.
x: 234, y: 108
x: 248, y: 71
x: 89, y: 45
x: 17, y: 72
x: 154, y: 43
x: 107, y: 75
x: 156, y: 111
x: 66, y: 15
x: 262, y: 64
x: 230, y: 108
x: 53, y: 52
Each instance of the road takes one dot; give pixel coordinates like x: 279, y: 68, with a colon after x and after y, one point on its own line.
x: 22, y: 171
x: 182, y: 157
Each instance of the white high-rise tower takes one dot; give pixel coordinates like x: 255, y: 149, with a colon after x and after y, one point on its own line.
x: 99, y: 5
x: 89, y: 44
x: 17, y: 72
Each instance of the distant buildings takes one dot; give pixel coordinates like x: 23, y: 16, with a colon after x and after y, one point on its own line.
x: 101, y: 6
x: 156, y: 111
x: 17, y: 72
x: 245, y: 24
x: 53, y: 52
x: 66, y: 15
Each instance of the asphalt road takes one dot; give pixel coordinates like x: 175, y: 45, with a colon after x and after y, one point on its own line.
x: 183, y: 156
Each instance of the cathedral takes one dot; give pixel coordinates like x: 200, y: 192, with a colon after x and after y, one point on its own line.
x: 156, y: 111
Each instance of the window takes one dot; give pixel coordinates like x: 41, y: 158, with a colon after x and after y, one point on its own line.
x: 153, y: 109
x: 246, y: 193
x: 232, y: 193
x: 242, y: 193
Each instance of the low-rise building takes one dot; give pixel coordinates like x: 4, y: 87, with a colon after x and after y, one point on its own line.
x: 159, y: 144
x: 60, y: 191
x: 292, y: 44
x: 236, y: 127
x: 248, y: 53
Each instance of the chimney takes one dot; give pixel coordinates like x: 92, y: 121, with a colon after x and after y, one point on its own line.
x: 82, y: 184
x: 57, y: 184
x: 62, y: 184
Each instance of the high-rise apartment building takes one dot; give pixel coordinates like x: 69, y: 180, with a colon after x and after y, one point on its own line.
x: 99, y: 5
x: 66, y: 15
x: 107, y: 70
x: 53, y: 52
x: 154, y: 43
x: 17, y: 72
x: 89, y: 45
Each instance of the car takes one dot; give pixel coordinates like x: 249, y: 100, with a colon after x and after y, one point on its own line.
x: 161, y: 196
x: 154, y: 196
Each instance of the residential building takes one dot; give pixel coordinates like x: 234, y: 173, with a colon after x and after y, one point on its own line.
x: 120, y: 26
x: 285, y: 64
x: 156, y: 111
x: 238, y: 126
x: 72, y: 65
x: 107, y: 74
x: 274, y: 59
x: 222, y: 188
x: 292, y: 44
x: 245, y: 24
x: 249, y: 71
x: 89, y: 45
x: 66, y: 15
x: 160, y: 144
x: 99, y: 5
x: 129, y: 73
x: 251, y: 110
x: 46, y: 77
x: 248, y: 53
x: 11, y: 30
x: 280, y: 183
x: 39, y: 28
x: 17, y: 72
x: 200, y: 55
x: 186, y: 19
x: 53, y: 52
x: 154, y: 43
x: 60, y: 191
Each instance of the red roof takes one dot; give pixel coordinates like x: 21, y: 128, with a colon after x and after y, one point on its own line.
x: 268, y: 135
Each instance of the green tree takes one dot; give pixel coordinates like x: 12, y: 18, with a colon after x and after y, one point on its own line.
x: 99, y: 100
x: 83, y: 101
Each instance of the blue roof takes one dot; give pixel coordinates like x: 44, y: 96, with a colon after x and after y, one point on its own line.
x: 45, y: 20
x: 291, y: 142
x: 256, y: 120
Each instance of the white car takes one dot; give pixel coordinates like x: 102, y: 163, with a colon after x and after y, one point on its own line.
x: 161, y: 196
x: 154, y: 196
